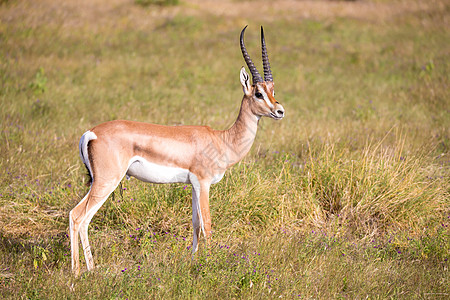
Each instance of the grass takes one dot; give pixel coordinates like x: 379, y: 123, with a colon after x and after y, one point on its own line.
x: 346, y: 197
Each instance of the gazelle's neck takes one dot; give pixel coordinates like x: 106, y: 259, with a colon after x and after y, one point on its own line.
x: 241, y: 135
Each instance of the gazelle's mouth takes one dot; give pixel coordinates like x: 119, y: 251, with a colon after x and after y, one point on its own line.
x: 274, y: 116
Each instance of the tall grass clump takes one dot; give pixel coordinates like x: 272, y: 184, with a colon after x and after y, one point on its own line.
x: 371, y: 191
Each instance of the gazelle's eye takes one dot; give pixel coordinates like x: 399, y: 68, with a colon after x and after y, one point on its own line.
x: 259, y: 95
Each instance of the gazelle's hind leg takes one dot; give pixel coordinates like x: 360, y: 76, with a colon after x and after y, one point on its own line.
x: 73, y: 232
x: 81, y: 216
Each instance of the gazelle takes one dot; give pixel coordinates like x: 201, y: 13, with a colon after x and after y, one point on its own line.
x: 152, y: 153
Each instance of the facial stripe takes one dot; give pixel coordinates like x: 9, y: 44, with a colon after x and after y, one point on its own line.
x: 266, y: 98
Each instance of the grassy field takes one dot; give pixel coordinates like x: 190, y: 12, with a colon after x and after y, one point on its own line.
x: 346, y: 197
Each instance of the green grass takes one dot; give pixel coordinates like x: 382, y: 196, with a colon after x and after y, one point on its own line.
x: 346, y: 197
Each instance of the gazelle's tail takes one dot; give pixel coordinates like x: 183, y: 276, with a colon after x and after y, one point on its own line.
x: 84, y: 154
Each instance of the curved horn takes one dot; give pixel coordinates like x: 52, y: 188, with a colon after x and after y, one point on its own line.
x: 265, y: 59
x: 255, y: 74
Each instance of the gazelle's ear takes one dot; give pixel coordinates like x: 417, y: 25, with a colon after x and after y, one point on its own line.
x: 245, y: 81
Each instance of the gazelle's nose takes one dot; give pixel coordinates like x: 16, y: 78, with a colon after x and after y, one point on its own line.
x: 279, y: 111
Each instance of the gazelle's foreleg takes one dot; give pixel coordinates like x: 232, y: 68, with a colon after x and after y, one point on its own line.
x: 196, y: 218
x: 204, y: 209
x: 201, y: 220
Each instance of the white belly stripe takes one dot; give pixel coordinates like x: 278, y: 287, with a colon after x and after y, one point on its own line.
x: 146, y: 171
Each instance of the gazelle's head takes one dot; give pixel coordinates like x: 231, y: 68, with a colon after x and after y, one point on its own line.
x: 261, y: 93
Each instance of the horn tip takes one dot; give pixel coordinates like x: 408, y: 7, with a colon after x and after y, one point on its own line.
x: 242, y: 32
